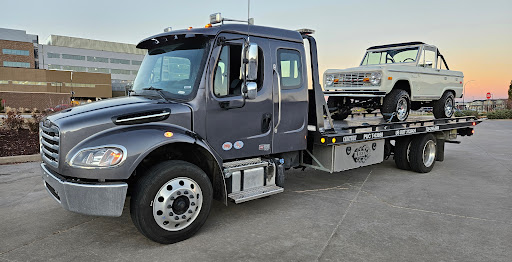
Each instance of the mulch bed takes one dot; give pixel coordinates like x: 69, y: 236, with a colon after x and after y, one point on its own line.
x: 14, y: 143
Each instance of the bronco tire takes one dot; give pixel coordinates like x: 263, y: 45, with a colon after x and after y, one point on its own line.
x: 444, y: 107
x: 171, y: 201
x: 396, y: 106
x: 422, y: 153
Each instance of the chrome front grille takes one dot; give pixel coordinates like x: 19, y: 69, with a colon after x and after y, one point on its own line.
x: 50, y: 144
x: 352, y: 80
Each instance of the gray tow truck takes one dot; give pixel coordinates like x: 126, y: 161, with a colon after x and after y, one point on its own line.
x: 217, y: 113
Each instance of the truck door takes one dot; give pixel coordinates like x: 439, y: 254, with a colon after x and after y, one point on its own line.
x: 235, y: 129
x: 290, y: 98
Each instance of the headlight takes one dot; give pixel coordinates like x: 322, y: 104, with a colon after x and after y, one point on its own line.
x: 375, y: 78
x: 329, y: 80
x: 99, y: 157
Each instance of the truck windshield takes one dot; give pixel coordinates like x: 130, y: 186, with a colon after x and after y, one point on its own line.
x: 173, y: 68
x: 391, y: 56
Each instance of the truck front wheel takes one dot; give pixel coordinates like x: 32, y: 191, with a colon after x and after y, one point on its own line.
x: 171, y: 201
x: 396, y: 106
x: 444, y: 107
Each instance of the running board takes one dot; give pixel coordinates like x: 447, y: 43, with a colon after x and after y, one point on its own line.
x: 254, y: 193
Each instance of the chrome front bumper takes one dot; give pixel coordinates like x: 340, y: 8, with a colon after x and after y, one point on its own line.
x: 99, y: 199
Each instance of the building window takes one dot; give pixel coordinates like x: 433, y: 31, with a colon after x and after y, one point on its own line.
x: 119, y: 61
x: 16, y: 64
x: 53, y: 55
x: 73, y: 57
x: 98, y: 70
x: 54, y: 67
x: 97, y: 59
x: 4, y: 82
x: 134, y: 72
x: 120, y: 72
x: 29, y: 83
x: 74, y: 68
x: 15, y: 52
x: 135, y: 62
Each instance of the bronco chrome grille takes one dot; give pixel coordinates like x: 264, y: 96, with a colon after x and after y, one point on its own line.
x: 352, y: 80
x: 49, y: 138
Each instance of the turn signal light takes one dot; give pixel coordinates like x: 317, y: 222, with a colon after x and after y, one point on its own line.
x: 474, y: 123
x: 208, y: 26
x: 390, y: 78
x: 322, y: 140
x: 168, y: 134
x: 333, y: 140
x: 366, y: 79
x: 189, y: 28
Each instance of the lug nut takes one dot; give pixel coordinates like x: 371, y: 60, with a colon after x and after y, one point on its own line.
x: 172, y: 198
x: 177, y: 217
x: 183, y: 216
x: 191, y: 196
x: 171, y: 214
x: 186, y: 192
x: 178, y: 193
x: 169, y: 206
x: 190, y: 211
x: 192, y: 204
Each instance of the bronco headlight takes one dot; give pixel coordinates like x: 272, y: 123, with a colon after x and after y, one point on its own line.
x: 375, y: 78
x: 329, y: 80
x: 107, y: 156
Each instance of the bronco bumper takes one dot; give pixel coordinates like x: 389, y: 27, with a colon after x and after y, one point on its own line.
x: 99, y: 199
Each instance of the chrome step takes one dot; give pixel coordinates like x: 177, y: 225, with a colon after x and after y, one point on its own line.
x: 230, y: 167
x: 254, y: 193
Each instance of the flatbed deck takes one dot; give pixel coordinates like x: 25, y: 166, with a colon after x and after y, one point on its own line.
x: 364, y: 128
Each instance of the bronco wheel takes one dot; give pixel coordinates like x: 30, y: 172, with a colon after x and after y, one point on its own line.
x: 422, y: 155
x: 396, y: 105
x: 171, y: 201
x: 445, y: 107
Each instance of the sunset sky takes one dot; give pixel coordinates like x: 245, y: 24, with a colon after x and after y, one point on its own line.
x: 474, y: 36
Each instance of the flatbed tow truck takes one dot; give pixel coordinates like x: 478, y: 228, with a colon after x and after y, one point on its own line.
x: 217, y: 113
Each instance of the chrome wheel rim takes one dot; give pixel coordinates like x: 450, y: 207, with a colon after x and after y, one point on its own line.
x: 177, y: 204
x: 401, y: 109
x: 429, y: 153
x: 448, y: 107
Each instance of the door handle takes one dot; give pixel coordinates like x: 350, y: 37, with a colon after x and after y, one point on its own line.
x: 279, y: 99
x: 265, y: 122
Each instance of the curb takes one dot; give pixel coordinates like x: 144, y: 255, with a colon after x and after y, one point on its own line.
x: 19, y: 159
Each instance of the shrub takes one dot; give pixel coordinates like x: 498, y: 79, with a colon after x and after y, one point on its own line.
x: 13, y: 121
x: 500, y: 114
x: 466, y: 113
x: 33, y: 123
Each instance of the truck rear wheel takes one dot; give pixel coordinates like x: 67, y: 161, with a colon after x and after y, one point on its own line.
x: 396, y: 106
x: 171, y: 201
x: 401, y: 153
x: 444, y: 107
x: 422, y: 153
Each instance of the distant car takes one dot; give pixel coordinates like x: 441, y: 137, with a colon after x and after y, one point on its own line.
x: 395, y: 78
x: 60, y: 107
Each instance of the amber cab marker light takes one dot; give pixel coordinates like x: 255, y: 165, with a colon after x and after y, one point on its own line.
x: 208, y: 26
x: 390, y: 78
x: 168, y: 134
x: 189, y: 28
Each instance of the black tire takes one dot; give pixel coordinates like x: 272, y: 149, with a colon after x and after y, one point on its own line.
x: 390, y: 105
x: 147, y: 187
x: 418, y: 148
x: 401, y: 154
x: 440, y: 109
x: 337, y: 109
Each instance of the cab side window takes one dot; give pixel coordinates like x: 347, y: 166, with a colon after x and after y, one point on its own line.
x: 227, y: 80
x: 290, y: 68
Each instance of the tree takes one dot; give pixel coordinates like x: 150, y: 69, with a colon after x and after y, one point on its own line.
x: 509, y: 102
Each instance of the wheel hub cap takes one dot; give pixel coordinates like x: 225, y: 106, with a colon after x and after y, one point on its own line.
x: 177, y: 204
x: 401, y: 109
x: 448, y: 107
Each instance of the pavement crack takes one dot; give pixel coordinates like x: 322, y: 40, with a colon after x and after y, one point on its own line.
x: 45, y: 237
x: 321, y: 189
x: 428, y: 211
x: 343, y: 217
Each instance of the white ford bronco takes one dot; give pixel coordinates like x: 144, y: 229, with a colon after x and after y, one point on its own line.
x: 395, y: 78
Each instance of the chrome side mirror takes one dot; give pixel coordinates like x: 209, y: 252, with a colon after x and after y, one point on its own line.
x: 251, y: 90
x: 252, y: 62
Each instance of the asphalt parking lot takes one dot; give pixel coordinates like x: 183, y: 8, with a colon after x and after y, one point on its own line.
x: 461, y: 211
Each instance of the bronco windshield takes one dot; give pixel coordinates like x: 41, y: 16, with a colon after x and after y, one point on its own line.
x: 391, y: 56
x: 174, y: 69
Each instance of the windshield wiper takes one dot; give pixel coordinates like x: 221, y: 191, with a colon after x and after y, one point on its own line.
x: 158, y: 90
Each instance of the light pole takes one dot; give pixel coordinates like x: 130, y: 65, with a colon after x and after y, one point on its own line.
x: 464, y: 93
